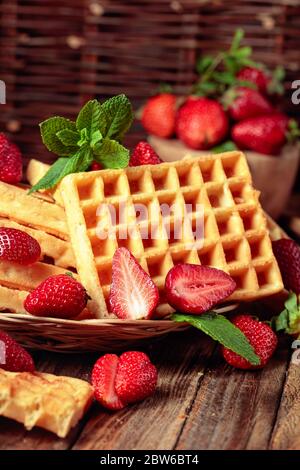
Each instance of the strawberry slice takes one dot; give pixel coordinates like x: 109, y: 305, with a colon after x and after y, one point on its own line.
x: 194, y: 289
x: 103, y: 381
x: 133, y: 294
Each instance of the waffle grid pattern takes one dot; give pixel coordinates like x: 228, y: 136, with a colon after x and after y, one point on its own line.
x: 236, y: 238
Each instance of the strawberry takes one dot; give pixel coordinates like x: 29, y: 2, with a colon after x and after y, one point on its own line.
x: 59, y: 296
x: 10, y: 161
x: 19, y: 247
x: 95, y: 166
x: 103, y: 380
x: 133, y: 294
x: 261, y: 337
x: 158, y: 115
x: 287, y: 253
x: 144, y: 154
x: 136, y: 377
x: 256, y: 76
x: 246, y: 103
x: 194, y: 289
x: 201, y: 123
x: 263, y: 134
x: 119, y: 381
x: 15, y: 358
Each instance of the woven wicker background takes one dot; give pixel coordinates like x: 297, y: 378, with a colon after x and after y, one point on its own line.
x: 55, y: 54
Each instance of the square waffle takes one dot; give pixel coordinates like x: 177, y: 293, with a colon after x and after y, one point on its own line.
x: 52, y: 402
x: 235, y: 234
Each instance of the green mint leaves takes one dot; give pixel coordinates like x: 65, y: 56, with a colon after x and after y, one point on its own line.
x: 222, y: 330
x: 96, y: 135
x: 289, y: 319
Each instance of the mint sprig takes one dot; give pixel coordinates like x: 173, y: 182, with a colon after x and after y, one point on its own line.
x: 289, y: 319
x: 222, y: 330
x: 96, y: 135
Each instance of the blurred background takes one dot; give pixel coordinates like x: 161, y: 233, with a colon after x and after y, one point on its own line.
x: 56, y: 54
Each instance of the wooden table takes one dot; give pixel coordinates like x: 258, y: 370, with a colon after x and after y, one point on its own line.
x: 201, y: 403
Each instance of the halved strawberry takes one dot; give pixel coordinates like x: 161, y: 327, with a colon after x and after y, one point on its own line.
x: 194, y: 289
x: 103, y: 381
x: 133, y: 294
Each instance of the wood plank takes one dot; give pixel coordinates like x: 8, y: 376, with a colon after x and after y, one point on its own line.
x: 235, y: 409
x: 286, y: 433
x: 157, y: 422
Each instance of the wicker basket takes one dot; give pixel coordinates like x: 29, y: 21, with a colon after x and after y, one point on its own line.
x: 69, y: 336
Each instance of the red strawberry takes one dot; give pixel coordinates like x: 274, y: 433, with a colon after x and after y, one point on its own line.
x: 10, y: 161
x: 144, y: 154
x: 59, y: 296
x: 194, y: 289
x: 256, y: 76
x: 118, y: 381
x: 201, y: 123
x: 287, y: 253
x: 95, y: 166
x: 263, y: 134
x: 247, y: 103
x: 136, y: 377
x: 103, y: 380
x: 158, y: 116
x: 18, y: 246
x: 260, y: 336
x: 13, y: 357
x: 133, y: 294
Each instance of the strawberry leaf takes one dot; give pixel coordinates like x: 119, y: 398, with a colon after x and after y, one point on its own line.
x: 119, y: 116
x: 222, y: 330
x: 49, y: 130
x: 227, y: 146
x: 111, y: 154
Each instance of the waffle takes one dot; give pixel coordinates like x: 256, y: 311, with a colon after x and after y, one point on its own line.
x: 45, y: 400
x: 235, y: 237
x: 31, y: 211
x: 46, y: 223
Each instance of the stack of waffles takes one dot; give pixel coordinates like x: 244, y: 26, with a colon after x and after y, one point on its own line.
x: 224, y: 226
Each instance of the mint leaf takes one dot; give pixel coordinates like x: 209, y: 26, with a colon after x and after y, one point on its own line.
x: 95, y: 138
x: 49, y: 130
x: 222, y: 330
x: 111, y: 154
x: 289, y: 319
x: 225, y: 147
x: 52, y: 177
x: 119, y: 116
x: 78, y: 163
x: 68, y: 137
x: 90, y: 117
x: 84, y: 137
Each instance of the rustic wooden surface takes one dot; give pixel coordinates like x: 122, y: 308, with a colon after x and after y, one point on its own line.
x: 200, y: 404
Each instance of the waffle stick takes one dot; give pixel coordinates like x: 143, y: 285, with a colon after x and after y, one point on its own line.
x: 12, y: 300
x: 35, y: 171
x: 235, y: 239
x: 55, y: 403
x: 18, y: 206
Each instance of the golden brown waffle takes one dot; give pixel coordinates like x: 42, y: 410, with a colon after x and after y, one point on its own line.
x: 17, y: 205
x: 236, y: 238
x: 12, y: 300
x: 45, y: 400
